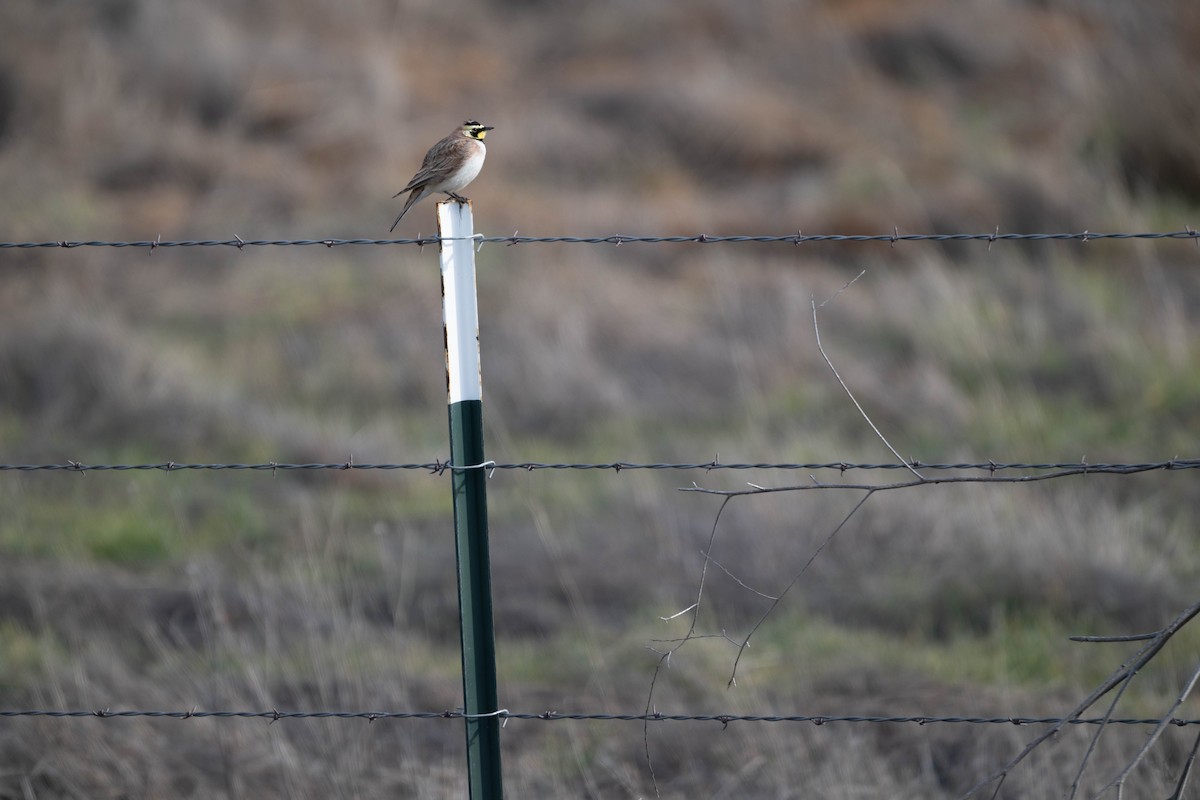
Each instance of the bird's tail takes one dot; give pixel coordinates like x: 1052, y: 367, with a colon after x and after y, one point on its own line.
x: 416, y: 195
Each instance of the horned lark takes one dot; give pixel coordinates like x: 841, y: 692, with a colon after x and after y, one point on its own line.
x: 449, y: 166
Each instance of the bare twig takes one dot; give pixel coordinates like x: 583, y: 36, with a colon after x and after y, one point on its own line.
x: 665, y: 658
x: 746, y: 641
x: 1187, y: 772
x: 1125, y: 672
x: 739, y: 581
x: 850, y: 394
x: 1154, y: 735
x: 1133, y: 637
x: 1095, y: 740
x: 922, y: 481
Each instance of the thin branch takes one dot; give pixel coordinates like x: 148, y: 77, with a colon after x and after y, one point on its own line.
x: 1133, y: 637
x: 850, y: 394
x: 746, y: 642
x: 1187, y: 772
x: 666, y: 657
x: 1095, y: 740
x: 1129, y: 668
x: 1154, y: 735
x: 922, y: 481
x: 739, y: 581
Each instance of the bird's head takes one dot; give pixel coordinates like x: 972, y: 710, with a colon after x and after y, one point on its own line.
x: 473, y: 130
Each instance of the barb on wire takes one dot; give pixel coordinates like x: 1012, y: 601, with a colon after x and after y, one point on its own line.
x: 797, y: 238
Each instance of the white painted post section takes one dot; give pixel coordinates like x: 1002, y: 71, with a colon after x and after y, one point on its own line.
x: 460, y: 307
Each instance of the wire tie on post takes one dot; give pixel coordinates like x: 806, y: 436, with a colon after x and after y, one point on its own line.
x: 479, y: 237
x: 499, y: 712
x: 484, y: 465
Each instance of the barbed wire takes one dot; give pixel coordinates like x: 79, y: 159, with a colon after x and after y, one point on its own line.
x: 438, y: 467
x: 274, y: 715
x: 797, y: 238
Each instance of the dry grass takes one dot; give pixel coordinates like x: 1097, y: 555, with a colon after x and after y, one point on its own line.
x: 130, y: 119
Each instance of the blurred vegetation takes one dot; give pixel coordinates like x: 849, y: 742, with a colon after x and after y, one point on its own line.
x: 130, y: 119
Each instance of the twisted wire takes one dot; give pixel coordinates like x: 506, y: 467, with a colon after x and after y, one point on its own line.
x: 274, y: 715
x: 797, y: 238
x: 438, y: 467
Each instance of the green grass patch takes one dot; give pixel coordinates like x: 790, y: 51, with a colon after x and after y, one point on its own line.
x: 24, y: 656
x: 131, y: 539
x: 1030, y: 652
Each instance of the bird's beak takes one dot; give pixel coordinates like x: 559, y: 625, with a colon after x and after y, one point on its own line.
x: 488, y: 128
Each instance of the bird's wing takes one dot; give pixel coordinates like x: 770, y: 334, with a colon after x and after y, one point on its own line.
x: 439, y: 162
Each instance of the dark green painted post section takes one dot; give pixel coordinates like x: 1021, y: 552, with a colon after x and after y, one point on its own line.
x: 469, y: 476
x: 475, y: 599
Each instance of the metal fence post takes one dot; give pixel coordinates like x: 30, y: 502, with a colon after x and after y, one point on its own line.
x: 461, y: 320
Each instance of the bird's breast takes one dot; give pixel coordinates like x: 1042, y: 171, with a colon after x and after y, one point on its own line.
x: 469, y: 169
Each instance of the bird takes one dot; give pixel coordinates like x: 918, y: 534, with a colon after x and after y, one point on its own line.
x: 448, y: 167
